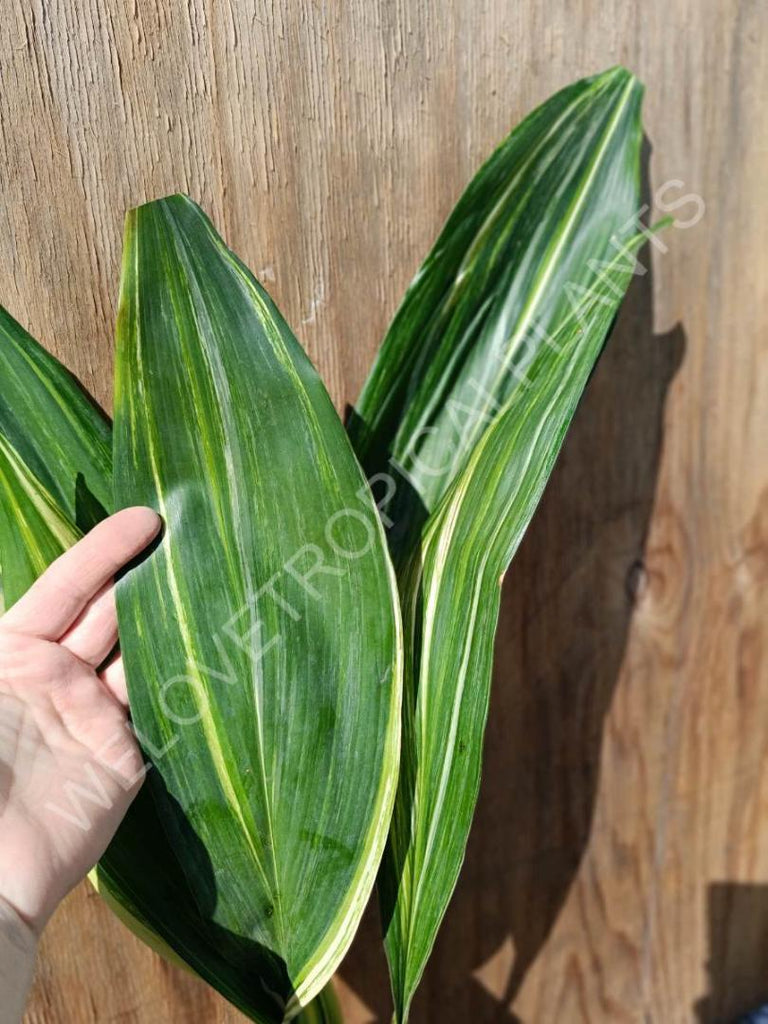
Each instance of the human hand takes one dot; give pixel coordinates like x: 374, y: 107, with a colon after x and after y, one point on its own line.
x: 69, y: 764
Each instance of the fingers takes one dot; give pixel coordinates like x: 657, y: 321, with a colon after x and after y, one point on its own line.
x: 94, y: 633
x: 61, y: 594
x: 113, y: 677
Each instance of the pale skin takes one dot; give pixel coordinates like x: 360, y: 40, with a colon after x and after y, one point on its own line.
x: 64, y: 722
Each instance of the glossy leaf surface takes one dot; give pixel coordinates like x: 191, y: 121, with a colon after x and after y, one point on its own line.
x: 33, y: 529
x: 55, y: 460
x: 261, y: 639
x: 465, y: 410
x: 512, y: 261
x: 138, y: 876
x: 57, y: 432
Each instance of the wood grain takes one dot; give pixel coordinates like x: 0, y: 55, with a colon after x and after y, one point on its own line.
x: 618, y: 867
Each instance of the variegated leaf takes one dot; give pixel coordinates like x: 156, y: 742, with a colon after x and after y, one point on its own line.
x: 56, y: 430
x: 138, y: 876
x: 261, y: 640
x: 463, y: 414
x: 523, y: 243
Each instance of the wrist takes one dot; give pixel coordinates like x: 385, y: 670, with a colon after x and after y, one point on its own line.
x: 15, y: 929
x: 18, y: 946
x: 26, y: 898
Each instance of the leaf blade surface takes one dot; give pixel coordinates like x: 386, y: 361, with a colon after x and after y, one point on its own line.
x: 57, y: 431
x: 138, y: 876
x: 465, y: 410
x: 283, y: 736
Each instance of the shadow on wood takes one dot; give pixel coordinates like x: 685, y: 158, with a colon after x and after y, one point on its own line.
x: 737, y: 968
x: 566, y: 611
x: 140, y: 867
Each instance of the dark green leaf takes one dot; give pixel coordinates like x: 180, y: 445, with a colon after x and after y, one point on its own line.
x: 138, y: 876
x: 261, y: 639
x: 57, y: 432
x: 465, y: 411
x: 512, y: 261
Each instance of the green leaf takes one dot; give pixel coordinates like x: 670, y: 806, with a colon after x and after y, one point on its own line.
x: 261, y: 639
x: 138, y: 876
x: 471, y: 353
x: 55, y: 460
x: 508, y: 267
x: 139, y: 879
x: 33, y: 529
x: 55, y: 483
x: 57, y: 432
x: 142, y: 882
x: 465, y: 411
x: 56, y: 472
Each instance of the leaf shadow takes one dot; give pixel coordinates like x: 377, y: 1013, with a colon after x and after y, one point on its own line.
x: 567, y: 606
x: 737, y: 967
x: 141, y: 862
x: 88, y: 509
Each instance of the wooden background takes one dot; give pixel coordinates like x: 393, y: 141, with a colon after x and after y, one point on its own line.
x: 618, y: 867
